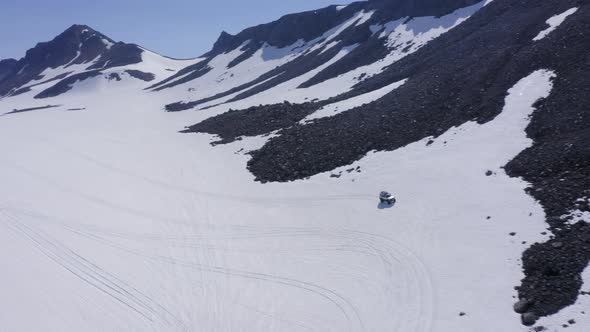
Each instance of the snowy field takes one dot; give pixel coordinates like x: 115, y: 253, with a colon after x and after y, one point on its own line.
x: 111, y: 220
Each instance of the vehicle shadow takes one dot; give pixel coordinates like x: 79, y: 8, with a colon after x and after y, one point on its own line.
x: 383, y: 206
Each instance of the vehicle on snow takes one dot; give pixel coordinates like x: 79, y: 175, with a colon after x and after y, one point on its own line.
x: 386, y: 198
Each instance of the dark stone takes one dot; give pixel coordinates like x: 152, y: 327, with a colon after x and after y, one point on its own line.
x: 557, y: 245
x: 114, y: 76
x: 522, y: 306
x: 140, y: 75
x: 529, y: 318
x: 553, y: 275
x: 489, y: 173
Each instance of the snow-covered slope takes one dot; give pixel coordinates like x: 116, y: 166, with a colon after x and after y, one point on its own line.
x: 324, y: 66
x: 135, y: 227
x: 111, y: 219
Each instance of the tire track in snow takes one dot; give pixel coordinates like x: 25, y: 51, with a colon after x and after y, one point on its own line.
x: 417, y: 274
x: 279, y: 318
x: 344, y: 305
x: 417, y: 298
x: 389, y: 253
x: 385, y: 248
x: 93, y: 275
x: 328, y: 294
x: 423, y: 318
x: 348, y: 310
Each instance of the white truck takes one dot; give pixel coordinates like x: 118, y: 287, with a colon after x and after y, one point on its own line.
x: 386, y: 198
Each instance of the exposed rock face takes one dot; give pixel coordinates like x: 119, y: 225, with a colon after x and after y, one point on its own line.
x: 120, y: 54
x: 182, y: 76
x: 312, y: 25
x: 64, y: 48
x: 7, y: 67
x: 65, y: 85
x: 148, y: 77
x: 288, y: 29
x: 400, y: 8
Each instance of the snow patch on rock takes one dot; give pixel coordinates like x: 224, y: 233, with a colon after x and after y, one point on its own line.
x: 348, y: 104
x: 554, y: 22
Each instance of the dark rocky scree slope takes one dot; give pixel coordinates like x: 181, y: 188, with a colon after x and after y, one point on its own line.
x: 308, y: 26
x: 253, y: 121
x: 463, y: 76
x: 79, y: 44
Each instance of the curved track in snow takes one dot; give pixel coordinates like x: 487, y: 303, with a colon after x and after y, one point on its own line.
x: 417, y: 287
x: 395, y: 259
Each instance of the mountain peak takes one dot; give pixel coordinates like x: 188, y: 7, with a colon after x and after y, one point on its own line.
x: 79, y: 28
x: 77, y: 45
x: 80, y: 33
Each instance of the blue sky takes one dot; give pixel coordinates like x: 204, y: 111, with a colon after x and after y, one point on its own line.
x: 177, y: 28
